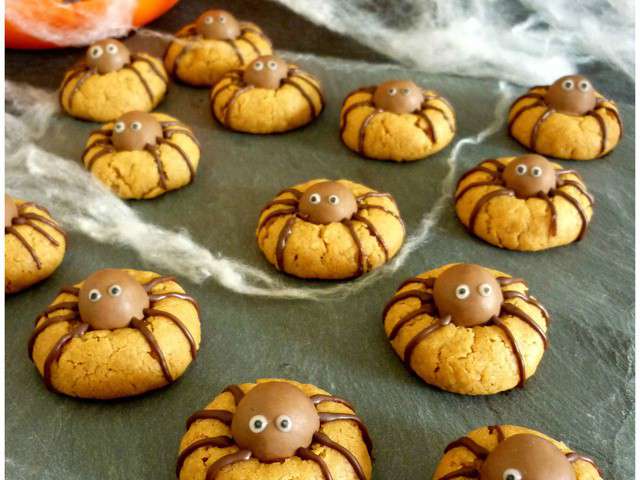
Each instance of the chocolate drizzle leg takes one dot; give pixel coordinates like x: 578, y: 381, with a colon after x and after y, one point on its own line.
x: 232, y: 458
x: 141, y: 326
x: 306, y: 454
x: 324, y: 440
x: 516, y: 349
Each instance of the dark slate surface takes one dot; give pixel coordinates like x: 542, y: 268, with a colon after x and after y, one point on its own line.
x: 582, y: 393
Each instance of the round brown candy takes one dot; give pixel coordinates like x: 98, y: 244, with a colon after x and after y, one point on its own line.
x: 573, y: 95
x: 327, y: 202
x: 273, y: 420
x: 108, y: 55
x: 529, y: 175
x: 10, y: 210
x: 218, y: 25
x: 135, y: 130
x: 469, y: 293
x: 110, y: 298
x: 266, y: 72
x: 398, y: 96
x: 526, y: 457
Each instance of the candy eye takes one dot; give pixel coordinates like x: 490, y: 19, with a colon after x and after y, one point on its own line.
x: 221, y: 19
x: 284, y: 423
x: 485, y: 289
x: 315, y: 198
x: 405, y: 91
x: 96, y: 51
x: 257, y: 66
x: 112, y: 49
x: 392, y: 91
x: 536, y: 171
x: 334, y: 200
x: 584, y: 86
x: 258, y: 423
x: 136, y: 126
x: 272, y: 65
x: 208, y: 20
x: 95, y: 295
x: 115, y: 290
x: 521, y: 169
x: 511, y: 474
x: 567, y: 85
x: 119, y: 127
x: 462, y: 291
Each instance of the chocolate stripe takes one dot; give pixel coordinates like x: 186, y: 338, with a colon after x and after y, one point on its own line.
x: 513, y: 310
x: 152, y: 312
x: 324, y: 440
x: 468, y: 443
x: 581, y: 212
x: 374, y: 232
x: 306, y: 454
x: 363, y: 130
x: 221, y: 415
x: 358, y: 244
x: 14, y: 231
x: 216, y: 442
x: 70, y: 317
x: 326, y: 417
x: 240, y: 456
x: 535, y: 131
x: 514, y: 346
x: 182, y: 154
x: 283, y: 238
x: 56, y: 351
x: 484, y: 200
x: 155, y: 347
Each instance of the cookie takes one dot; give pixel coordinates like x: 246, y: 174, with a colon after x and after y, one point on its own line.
x: 268, y: 96
x: 467, y: 329
x: 112, y: 81
x: 330, y: 229
x: 568, y: 119
x: 508, y: 452
x: 142, y: 155
x: 396, y: 120
x: 275, y: 429
x: 116, y: 334
x: 34, y: 244
x: 524, y: 203
x: 214, y: 44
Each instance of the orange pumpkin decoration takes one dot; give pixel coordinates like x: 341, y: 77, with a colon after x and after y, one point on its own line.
x: 36, y: 24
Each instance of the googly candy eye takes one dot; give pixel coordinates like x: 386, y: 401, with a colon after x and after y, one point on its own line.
x: 334, y: 200
x: 511, y: 474
x: 96, y: 51
x: 119, y: 127
x: 257, y: 66
x: 136, y: 126
x: 221, y: 19
x: 536, y: 171
x: 568, y: 85
x: 462, y: 291
x: 521, y: 169
x: 272, y: 65
x: 584, y: 86
x: 485, y: 289
x: 115, y: 290
x: 258, y: 423
x: 95, y: 295
x: 284, y: 423
x: 392, y: 91
x: 405, y: 91
x: 315, y: 198
x: 208, y: 20
x: 112, y: 49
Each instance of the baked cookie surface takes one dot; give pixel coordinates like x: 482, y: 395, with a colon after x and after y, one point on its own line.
x: 213, y: 45
x: 330, y: 229
x: 396, y: 120
x: 467, y: 329
x: 275, y: 429
x: 34, y: 244
x: 268, y: 96
x: 508, y: 452
x: 142, y: 155
x: 568, y: 119
x: 524, y: 203
x: 111, y: 81
x: 116, y: 334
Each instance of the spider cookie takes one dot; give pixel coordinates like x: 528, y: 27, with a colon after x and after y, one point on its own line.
x: 330, y: 229
x: 112, y: 81
x: 275, y: 429
x: 467, y: 329
x: 116, y: 334
x: 268, y: 96
x: 34, y: 244
x: 142, y: 155
x: 507, y: 452
x: 396, y: 120
x: 524, y: 203
x: 567, y: 119
x: 214, y: 44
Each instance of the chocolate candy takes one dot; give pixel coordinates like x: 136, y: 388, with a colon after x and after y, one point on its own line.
x: 110, y: 298
x: 327, y: 202
x: 572, y: 95
x: 398, y: 96
x: 108, y: 55
x: 274, y: 420
x: 218, y: 25
x: 526, y: 457
x: 469, y: 293
x: 529, y: 175
x: 135, y: 130
x: 266, y: 72
x: 10, y: 210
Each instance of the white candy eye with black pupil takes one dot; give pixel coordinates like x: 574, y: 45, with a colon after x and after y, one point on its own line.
x: 485, y: 289
x: 392, y: 92
x: 334, y: 200
x: 112, y: 49
x: 96, y: 52
x: 462, y: 291
x: 567, y: 85
x: 315, y: 198
x: 584, y: 86
x: 511, y: 474
x: 272, y: 65
x: 258, y: 423
x: 221, y: 19
x: 405, y: 91
x: 536, y: 171
x: 208, y: 20
x: 115, y: 290
x: 284, y: 423
x: 521, y: 169
x: 94, y: 295
x: 119, y: 127
x: 136, y: 126
x: 257, y: 66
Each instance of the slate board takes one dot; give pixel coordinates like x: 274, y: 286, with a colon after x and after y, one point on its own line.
x: 582, y: 393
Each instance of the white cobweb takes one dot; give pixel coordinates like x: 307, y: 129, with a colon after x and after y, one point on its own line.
x: 85, y: 205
